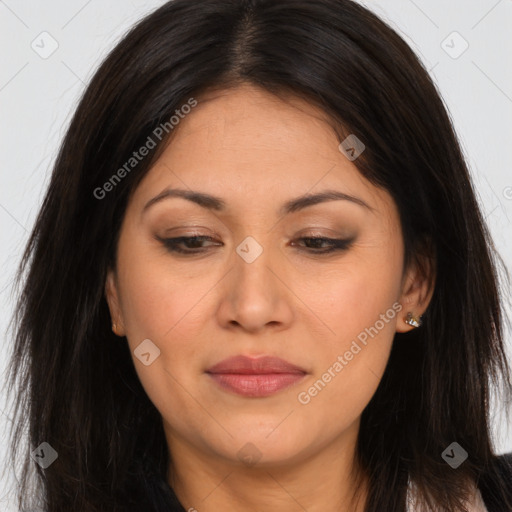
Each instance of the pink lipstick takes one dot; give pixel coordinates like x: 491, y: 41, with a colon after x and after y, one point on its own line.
x: 255, y: 377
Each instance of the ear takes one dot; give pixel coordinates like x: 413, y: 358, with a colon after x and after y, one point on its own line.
x: 417, y: 287
x: 112, y: 296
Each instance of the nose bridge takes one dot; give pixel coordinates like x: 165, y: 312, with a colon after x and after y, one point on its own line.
x: 256, y: 296
x: 252, y: 262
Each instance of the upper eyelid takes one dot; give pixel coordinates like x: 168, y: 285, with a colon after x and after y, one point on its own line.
x: 213, y: 237
x: 193, y: 231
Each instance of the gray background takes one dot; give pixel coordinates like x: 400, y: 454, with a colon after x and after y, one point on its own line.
x: 38, y: 93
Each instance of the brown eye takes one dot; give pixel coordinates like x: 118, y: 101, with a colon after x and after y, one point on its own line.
x: 193, y: 244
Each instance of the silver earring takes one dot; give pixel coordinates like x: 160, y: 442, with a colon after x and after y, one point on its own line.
x: 410, y: 319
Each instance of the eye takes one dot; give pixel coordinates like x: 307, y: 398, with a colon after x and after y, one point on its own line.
x: 192, y: 243
x: 333, y: 244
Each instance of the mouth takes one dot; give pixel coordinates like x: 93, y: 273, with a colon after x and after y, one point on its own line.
x: 255, y: 377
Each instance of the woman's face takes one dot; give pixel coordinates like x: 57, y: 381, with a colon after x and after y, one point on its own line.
x: 257, y: 286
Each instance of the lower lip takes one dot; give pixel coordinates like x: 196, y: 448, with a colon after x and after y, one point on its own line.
x: 257, y: 386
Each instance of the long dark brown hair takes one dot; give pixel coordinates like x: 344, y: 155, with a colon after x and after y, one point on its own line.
x: 74, y: 383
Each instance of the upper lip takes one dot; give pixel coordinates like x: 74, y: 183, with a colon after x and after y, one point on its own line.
x: 254, y: 366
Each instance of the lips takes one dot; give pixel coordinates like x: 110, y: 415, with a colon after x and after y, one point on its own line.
x: 255, y: 366
x: 255, y: 377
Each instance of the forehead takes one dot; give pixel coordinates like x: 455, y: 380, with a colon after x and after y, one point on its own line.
x: 249, y: 120
x: 246, y: 144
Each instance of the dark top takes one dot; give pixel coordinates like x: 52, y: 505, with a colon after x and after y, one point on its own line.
x: 490, y: 488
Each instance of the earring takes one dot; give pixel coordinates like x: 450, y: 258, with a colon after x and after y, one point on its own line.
x: 410, y: 319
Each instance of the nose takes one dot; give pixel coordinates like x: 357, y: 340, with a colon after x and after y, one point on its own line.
x: 255, y: 295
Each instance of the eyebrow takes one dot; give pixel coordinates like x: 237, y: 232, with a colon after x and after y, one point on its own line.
x: 210, y: 202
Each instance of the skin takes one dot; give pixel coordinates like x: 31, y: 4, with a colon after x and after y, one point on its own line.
x: 256, y: 152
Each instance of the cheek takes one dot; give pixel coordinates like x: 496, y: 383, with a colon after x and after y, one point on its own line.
x: 162, y: 306
x: 158, y: 298
x: 352, y: 298
x: 165, y: 306
x: 349, y: 369
x: 363, y: 318
x: 361, y: 308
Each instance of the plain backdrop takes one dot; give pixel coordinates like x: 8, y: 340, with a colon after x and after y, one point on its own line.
x: 51, y: 48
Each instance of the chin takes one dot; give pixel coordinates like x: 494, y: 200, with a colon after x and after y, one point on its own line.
x: 258, y: 449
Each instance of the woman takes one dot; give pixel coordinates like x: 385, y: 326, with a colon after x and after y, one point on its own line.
x: 260, y: 279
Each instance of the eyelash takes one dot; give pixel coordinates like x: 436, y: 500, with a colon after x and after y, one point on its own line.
x: 172, y: 244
